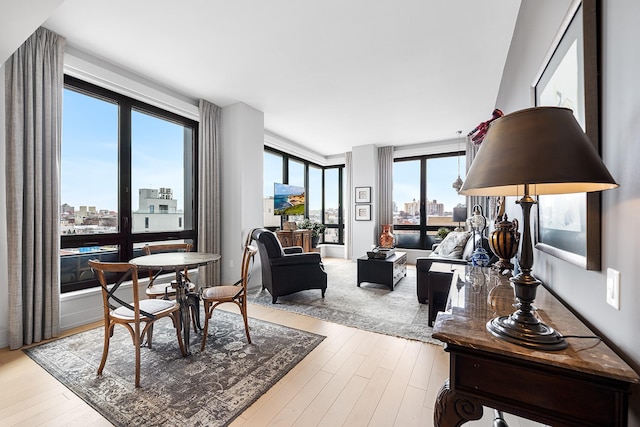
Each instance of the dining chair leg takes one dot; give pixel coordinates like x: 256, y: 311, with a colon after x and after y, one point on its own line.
x: 178, y: 325
x: 205, y: 330
x: 149, y: 336
x: 108, y: 331
x: 136, y: 346
x: 243, y: 309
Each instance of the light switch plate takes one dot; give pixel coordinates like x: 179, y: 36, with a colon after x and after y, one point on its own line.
x: 613, y: 288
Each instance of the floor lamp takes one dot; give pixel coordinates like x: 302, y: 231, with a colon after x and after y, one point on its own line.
x: 540, y: 150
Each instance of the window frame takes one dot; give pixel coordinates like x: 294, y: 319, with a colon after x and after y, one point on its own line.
x: 124, y: 238
x: 340, y: 167
x: 423, y: 228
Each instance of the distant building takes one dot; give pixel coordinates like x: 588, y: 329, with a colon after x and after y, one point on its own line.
x: 157, y: 211
x: 268, y: 218
x: 435, y: 209
x: 412, y: 208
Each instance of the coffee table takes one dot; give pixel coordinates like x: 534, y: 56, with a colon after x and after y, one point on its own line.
x: 387, y: 272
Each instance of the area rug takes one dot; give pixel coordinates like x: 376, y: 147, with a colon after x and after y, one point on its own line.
x: 208, y: 388
x: 371, y: 307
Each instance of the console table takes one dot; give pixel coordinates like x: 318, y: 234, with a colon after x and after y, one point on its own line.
x: 387, y: 272
x: 586, y: 384
x: 300, y: 238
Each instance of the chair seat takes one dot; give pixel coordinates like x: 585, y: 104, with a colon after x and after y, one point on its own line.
x: 221, y: 292
x: 151, y: 306
x: 155, y: 291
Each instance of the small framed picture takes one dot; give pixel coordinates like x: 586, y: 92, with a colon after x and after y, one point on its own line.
x: 363, y: 212
x: 363, y: 195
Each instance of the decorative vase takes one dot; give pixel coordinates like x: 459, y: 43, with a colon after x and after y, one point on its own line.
x: 480, y: 258
x: 504, y: 242
x: 386, y: 237
x: 314, y: 241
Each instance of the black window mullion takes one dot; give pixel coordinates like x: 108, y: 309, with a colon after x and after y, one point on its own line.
x: 124, y: 181
x: 340, y: 207
x: 423, y: 203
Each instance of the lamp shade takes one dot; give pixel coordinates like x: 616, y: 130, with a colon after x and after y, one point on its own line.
x: 544, y: 147
x: 459, y: 214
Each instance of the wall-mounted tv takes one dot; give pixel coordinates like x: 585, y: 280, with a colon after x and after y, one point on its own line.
x: 288, y: 199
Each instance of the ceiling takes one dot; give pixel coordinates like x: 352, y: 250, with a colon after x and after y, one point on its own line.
x: 328, y: 75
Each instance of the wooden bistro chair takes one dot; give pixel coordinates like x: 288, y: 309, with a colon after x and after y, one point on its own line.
x: 132, y: 315
x: 237, y: 293
x: 165, y: 290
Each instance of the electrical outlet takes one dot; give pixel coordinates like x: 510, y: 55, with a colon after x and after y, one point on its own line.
x: 613, y: 288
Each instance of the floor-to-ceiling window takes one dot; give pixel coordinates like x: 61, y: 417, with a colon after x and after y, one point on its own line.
x: 424, y: 198
x: 322, y: 188
x: 127, y: 179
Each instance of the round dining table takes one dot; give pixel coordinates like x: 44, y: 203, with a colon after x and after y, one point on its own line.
x: 178, y: 261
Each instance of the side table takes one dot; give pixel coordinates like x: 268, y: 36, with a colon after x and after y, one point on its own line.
x: 586, y: 384
x: 387, y: 272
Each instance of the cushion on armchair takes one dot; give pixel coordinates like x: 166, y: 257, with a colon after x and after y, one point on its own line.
x: 453, y: 245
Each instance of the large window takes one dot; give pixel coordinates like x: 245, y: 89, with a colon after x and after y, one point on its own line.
x: 323, y: 192
x: 423, y: 198
x: 127, y: 179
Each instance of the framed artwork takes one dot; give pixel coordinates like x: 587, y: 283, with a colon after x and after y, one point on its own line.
x: 568, y: 226
x: 363, y: 212
x: 363, y: 195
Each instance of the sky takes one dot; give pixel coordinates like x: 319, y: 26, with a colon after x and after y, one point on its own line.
x: 441, y: 172
x: 90, y: 153
x: 90, y: 161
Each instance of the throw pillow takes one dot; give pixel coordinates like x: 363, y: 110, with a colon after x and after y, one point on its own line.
x: 452, y: 245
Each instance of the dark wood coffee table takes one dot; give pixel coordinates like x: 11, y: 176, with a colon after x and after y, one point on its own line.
x: 386, y: 272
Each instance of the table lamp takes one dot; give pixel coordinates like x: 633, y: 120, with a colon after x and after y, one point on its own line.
x: 541, y: 150
x: 459, y: 215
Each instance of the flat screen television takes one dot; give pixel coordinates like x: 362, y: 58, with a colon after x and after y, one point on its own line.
x: 288, y: 199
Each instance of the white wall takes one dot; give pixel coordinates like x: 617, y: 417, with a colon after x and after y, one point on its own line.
x: 620, y: 109
x: 365, y: 174
x: 241, y: 151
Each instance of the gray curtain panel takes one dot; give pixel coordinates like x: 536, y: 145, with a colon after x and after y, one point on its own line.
x: 34, y: 79
x: 385, y: 185
x: 348, y: 200
x: 209, y: 190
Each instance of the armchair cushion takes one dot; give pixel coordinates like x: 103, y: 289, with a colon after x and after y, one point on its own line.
x: 292, y: 250
x: 453, y: 245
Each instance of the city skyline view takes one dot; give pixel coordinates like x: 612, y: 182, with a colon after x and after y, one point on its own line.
x: 89, y: 158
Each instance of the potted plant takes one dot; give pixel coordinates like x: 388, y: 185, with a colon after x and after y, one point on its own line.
x: 316, y: 230
x: 442, y: 232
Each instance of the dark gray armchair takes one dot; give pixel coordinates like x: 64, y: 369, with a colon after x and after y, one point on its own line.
x: 287, y: 270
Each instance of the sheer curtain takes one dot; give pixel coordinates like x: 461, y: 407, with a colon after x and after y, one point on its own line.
x: 209, y: 189
x: 348, y: 202
x: 34, y: 81
x: 385, y: 185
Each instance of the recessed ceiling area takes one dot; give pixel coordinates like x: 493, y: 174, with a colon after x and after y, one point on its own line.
x: 328, y: 75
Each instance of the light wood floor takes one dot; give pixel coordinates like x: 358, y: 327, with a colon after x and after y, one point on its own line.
x: 353, y: 378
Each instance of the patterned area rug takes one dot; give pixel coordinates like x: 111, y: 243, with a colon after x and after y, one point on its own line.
x: 370, y: 307
x: 207, y: 389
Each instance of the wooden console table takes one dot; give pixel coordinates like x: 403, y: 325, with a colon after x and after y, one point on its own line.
x: 586, y: 384
x: 300, y: 238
